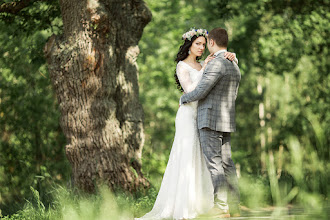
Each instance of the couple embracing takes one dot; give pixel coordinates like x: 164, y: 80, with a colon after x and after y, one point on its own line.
x: 200, y: 178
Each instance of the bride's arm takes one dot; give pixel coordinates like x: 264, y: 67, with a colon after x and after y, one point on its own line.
x: 208, y: 59
x: 184, y: 78
x: 228, y: 55
x: 231, y: 56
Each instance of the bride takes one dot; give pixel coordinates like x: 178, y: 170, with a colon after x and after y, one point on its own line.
x: 186, y: 190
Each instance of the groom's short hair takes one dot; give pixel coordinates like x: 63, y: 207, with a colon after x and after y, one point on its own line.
x: 220, y: 36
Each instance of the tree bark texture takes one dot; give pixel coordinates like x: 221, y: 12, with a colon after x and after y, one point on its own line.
x: 94, y: 73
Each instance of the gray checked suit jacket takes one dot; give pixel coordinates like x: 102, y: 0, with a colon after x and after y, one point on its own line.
x: 216, y: 94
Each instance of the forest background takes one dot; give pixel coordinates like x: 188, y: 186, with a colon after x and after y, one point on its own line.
x: 281, y: 147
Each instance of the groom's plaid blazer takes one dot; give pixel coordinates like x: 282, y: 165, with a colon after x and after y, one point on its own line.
x: 216, y: 94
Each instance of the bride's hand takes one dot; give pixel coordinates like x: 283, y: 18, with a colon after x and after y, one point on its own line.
x: 230, y: 56
x: 208, y: 59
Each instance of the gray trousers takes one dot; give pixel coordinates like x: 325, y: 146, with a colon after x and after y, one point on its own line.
x: 217, y: 152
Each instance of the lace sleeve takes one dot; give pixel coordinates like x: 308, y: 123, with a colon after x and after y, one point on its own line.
x: 184, y: 77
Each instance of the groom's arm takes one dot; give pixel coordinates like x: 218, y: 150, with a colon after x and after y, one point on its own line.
x: 212, y: 74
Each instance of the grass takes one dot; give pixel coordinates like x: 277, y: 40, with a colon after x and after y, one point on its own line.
x: 297, y: 190
x: 75, y: 205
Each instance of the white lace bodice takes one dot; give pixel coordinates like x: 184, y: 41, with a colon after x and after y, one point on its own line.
x: 188, y: 76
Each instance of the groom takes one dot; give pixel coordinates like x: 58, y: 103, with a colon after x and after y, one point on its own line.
x: 216, y: 94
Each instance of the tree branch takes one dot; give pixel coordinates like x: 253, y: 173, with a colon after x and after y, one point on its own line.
x: 14, y: 7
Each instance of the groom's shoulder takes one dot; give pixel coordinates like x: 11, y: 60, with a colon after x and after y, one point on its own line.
x: 220, y: 60
x: 224, y: 62
x: 216, y: 62
x: 215, y: 65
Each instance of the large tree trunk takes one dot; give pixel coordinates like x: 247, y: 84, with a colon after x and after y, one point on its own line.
x: 94, y: 73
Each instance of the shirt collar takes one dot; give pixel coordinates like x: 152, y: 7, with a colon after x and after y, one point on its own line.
x: 219, y: 51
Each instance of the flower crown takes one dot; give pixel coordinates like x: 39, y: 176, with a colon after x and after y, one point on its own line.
x: 192, y: 32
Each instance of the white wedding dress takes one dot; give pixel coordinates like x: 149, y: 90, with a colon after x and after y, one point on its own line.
x: 186, y: 190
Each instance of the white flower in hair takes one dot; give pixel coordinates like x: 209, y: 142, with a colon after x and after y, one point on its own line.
x: 192, y: 32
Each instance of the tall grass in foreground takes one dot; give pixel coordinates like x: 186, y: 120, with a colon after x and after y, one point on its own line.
x: 256, y: 195
x: 296, y: 181
x: 74, y: 205
x: 295, y: 186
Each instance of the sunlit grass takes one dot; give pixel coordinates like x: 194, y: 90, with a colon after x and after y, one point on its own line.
x: 74, y: 205
x: 291, y: 191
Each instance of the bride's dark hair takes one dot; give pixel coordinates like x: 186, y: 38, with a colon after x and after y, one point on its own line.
x: 182, y: 54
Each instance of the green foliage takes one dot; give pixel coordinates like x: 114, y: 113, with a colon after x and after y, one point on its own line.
x: 31, y: 141
x: 282, y: 47
x: 39, y: 15
x: 254, y: 191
